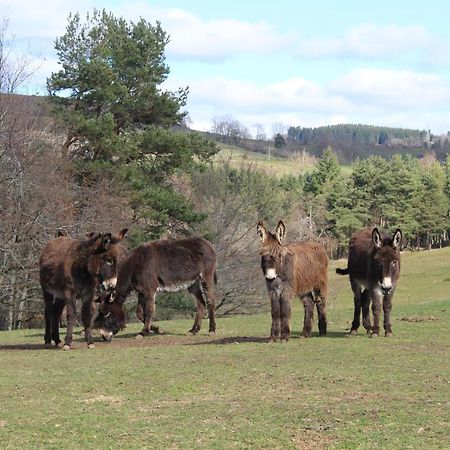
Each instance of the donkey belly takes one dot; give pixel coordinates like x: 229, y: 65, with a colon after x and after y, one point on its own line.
x: 176, y: 286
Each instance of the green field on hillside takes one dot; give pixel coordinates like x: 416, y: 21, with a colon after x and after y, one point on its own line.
x: 273, y: 165
x: 236, y: 391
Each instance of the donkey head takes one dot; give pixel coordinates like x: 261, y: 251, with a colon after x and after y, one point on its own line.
x: 103, y: 258
x: 271, y: 244
x: 110, y: 317
x: 387, y: 259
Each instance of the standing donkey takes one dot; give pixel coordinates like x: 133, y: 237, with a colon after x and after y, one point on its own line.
x: 298, y: 268
x: 374, y: 269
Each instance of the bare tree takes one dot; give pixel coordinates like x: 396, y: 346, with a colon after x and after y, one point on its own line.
x: 260, y: 134
x: 37, y: 190
x: 231, y: 130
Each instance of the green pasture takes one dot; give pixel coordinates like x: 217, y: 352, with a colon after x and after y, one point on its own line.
x: 273, y: 165
x: 236, y: 391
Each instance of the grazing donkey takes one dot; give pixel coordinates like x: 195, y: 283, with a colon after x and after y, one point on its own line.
x: 374, y: 269
x: 158, y: 266
x: 298, y: 268
x: 71, y: 269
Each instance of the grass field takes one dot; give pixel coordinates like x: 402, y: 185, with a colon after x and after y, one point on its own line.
x: 234, y: 390
x: 272, y: 165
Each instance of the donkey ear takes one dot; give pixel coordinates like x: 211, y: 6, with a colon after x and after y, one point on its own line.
x: 280, y: 231
x: 376, y: 238
x: 397, y: 238
x: 261, y: 230
x: 121, y: 234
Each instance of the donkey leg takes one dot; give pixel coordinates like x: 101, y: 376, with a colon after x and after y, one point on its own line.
x: 365, y: 303
x: 387, y: 306
x: 208, y: 291
x: 322, y: 313
x: 71, y: 312
x: 357, y: 308
x: 87, y: 312
x: 147, y: 301
x: 48, y: 315
x: 58, y: 307
x: 285, y: 316
x: 376, y: 310
x: 195, y: 291
x: 275, y: 309
x: 308, y: 304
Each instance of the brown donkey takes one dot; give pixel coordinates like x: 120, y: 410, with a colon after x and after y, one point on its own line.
x: 374, y: 269
x: 71, y: 269
x: 158, y: 266
x: 298, y: 268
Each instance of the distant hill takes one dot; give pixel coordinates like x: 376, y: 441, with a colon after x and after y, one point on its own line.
x: 349, y: 142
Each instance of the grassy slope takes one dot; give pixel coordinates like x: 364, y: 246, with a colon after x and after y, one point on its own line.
x: 273, y: 166
x: 236, y: 391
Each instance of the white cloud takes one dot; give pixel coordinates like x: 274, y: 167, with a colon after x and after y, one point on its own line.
x: 369, y: 41
x: 379, y: 97
x: 397, y: 89
x: 194, y: 38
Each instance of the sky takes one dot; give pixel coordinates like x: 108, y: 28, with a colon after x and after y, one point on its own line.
x: 278, y: 64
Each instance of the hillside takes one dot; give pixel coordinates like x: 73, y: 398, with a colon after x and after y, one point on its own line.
x: 350, y: 142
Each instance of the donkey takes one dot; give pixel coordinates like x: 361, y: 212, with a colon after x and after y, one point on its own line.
x: 298, y: 268
x: 162, y: 266
x: 374, y: 269
x: 71, y: 269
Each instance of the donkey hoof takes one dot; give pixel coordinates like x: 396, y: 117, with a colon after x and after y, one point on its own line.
x: 388, y: 334
x: 353, y: 332
x: 59, y: 345
x: 139, y: 337
x: 91, y: 346
x: 66, y: 347
x: 48, y: 345
x: 374, y: 335
x: 211, y: 333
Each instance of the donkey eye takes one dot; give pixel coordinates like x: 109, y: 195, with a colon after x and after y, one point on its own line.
x: 110, y: 262
x: 393, y: 263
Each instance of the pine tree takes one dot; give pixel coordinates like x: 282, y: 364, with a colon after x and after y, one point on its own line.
x: 119, y: 122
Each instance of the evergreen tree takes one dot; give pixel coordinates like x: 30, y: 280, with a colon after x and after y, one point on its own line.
x: 325, y: 174
x: 119, y: 121
x: 433, y: 206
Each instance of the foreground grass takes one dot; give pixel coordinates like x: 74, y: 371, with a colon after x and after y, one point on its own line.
x: 234, y: 390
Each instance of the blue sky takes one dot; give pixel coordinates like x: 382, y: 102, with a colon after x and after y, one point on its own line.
x: 280, y: 63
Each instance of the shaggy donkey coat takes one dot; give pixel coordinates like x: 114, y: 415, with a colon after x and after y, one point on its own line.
x: 374, y: 269
x: 71, y: 269
x: 298, y: 268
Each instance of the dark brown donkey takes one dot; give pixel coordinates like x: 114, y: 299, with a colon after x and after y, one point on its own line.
x: 71, y: 269
x: 158, y: 266
x: 298, y: 268
x: 374, y: 269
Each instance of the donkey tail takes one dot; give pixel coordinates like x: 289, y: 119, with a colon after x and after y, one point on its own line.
x: 342, y: 271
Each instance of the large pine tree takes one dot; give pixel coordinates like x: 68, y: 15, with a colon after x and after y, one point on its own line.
x: 118, y: 119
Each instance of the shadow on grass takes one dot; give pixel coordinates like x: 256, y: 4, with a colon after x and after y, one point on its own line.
x: 231, y: 340
x: 24, y: 347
